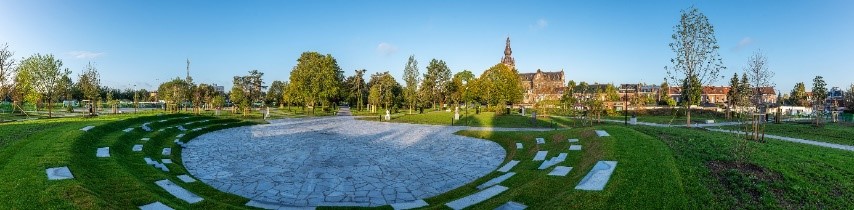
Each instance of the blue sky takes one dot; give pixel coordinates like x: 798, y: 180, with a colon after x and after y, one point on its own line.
x: 146, y: 42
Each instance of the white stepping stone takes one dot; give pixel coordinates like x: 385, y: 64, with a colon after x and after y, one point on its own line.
x: 161, y: 130
x: 103, y: 152
x: 145, y: 139
x: 601, y: 133
x: 58, y: 173
x: 508, y: 166
x: 560, y: 171
x: 598, y: 176
x: 155, y: 206
x: 87, y: 128
x: 541, y: 141
x: 518, y: 145
x: 561, y: 157
x: 178, y: 191
x: 197, y: 129
x: 166, y: 151
x: 149, y: 161
x: 512, y: 206
x: 541, y: 155
x: 574, y: 147
x: 179, y: 135
x: 163, y: 120
x: 182, y: 128
x: 166, y: 161
x: 496, y: 180
x: 410, y: 205
x: 161, y: 166
x: 477, y: 197
x: 137, y: 148
x: 553, y: 161
x: 572, y: 140
x: 128, y: 130
x: 186, y: 178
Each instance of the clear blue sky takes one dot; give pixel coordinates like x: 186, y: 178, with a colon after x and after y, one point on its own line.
x: 146, y: 42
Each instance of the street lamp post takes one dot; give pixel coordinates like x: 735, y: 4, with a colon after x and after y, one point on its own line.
x: 626, y: 105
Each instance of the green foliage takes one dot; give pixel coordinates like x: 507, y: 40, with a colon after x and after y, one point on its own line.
x: 500, y: 85
x: 357, y: 89
x: 411, y: 78
x: 276, y: 93
x: 849, y: 98
x: 89, y: 82
x: 459, y: 86
x: 174, y: 92
x: 45, y: 76
x: 819, y: 90
x: 7, y: 66
x: 316, y: 79
x: 692, y: 91
x: 384, y: 90
x: 799, y: 95
x: 434, y: 85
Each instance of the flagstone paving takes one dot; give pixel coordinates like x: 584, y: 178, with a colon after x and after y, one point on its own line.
x: 335, y: 161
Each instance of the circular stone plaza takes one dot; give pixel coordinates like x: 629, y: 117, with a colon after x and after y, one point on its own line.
x: 339, y: 161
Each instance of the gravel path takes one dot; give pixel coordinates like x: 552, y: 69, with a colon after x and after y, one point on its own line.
x: 335, y: 161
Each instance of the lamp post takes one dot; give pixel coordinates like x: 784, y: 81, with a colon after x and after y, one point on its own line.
x: 626, y: 105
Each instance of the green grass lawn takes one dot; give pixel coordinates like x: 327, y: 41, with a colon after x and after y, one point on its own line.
x: 671, y: 120
x: 483, y: 119
x: 838, y: 133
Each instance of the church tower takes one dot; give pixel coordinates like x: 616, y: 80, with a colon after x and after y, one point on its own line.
x: 508, y: 56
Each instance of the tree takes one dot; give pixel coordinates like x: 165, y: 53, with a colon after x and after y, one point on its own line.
x: 316, y: 79
x: 7, y: 66
x: 382, y: 86
x: 849, y: 98
x: 218, y: 102
x: 458, y: 86
x: 46, y: 75
x: 664, y: 93
x: 568, y: 98
x: 89, y: 83
x: 411, y: 77
x: 502, y: 85
x: 692, y: 92
x: 819, y: 94
x: 357, y: 88
x: 798, y: 96
x: 237, y: 96
x: 696, y: 49
x: 434, y: 86
x: 174, y: 93
x: 276, y: 93
x: 759, y: 76
x: 732, y: 94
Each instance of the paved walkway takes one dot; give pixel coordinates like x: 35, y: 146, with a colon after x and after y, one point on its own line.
x: 335, y: 161
x: 789, y: 139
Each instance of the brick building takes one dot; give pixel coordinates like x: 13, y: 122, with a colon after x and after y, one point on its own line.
x: 538, y: 86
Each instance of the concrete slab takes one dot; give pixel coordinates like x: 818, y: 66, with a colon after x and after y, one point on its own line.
x: 508, y: 166
x: 574, y: 147
x: 197, y: 129
x: 149, y: 161
x: 166, y: 151
x: 178, y: 191
x: 541, y: 155
x: 602, y: 133
x: 477, y: 197
x: 179, y: 135
x: 103, y: 152
x: 127, y: 130
x: 572, y: 140
x: 166, y: 161
x: 186, y: 178
x: 182, y: 128
x: 512, y: 206
x: 59, y: 173
x: 87, y: 128
x: 137, y: 148
x: 155, y: 206
x: 269, y: 205
x: 541, y: 141
x: 560, y: 171
x: 145, y: 139
x: 561, y: 157
x: 410, y: 205
x: 496, y: 180
x: 598, y: 176
x: 518, y: 145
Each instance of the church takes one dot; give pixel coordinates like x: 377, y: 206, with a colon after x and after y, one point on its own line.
x: 539, y: 85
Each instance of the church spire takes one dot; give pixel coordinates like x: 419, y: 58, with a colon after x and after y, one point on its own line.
x: 508, y: 56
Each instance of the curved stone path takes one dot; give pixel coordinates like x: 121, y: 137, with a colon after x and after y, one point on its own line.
x: 339, y: 161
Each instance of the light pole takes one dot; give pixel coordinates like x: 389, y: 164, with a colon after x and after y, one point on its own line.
x: 626, y: 105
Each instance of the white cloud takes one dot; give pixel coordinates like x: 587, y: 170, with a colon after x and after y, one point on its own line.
x: 85, y: 54
x: 540, y: 24
x: 746, y: 41
x: 386, y: 48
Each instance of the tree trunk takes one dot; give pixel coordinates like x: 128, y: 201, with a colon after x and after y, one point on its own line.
x: 688, y: 116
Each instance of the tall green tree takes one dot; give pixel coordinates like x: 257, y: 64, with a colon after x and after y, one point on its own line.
x: 46, y: 75
x: 819, y: 94
x: 89, y: 83
x: 275, y: 93
x: 434, y: 86
x: 798, y: 96
x: 317, y: 79
x: 849, y: 98
x: 568, y: 98
x: 357, y: 88
x: 174, y: 92
x: 696, y: 53
x: 7, y: 66
x: 386, y: 87
x: 502, y: 85
x: 692, y: 92
x: 411, y: 76
x: 460, y: 85
x: 664, y: 93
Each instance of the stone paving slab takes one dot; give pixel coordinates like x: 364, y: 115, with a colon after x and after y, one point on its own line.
x: 507, y: 167
x: 477, y: 197
x: 519, y: 145
x: 178, y: 191
x: 541, y: 141
x: 166, y: 161
x: 87, y: 128
x: 512, y: 206
x: 103, y: 152
x: 410, y: 205
x: 575, y: 147
x: 598, y: 176
x: 59, y: 173
x: 127, y: 130
x: 137, y: 148
x: 602, y: 133
x: 572, y: 140
x: 179, y: 135
x: 182, y: 128
x: 541, y: 155
x: 145, y: 139
x: 186, y: 179
x: 560, y: 171
x: 496, y: 180
x: 561, y: 157
x: 268, y: 205
x: 155, y: 206
x: 166, y: 151
x: 338, y: 161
